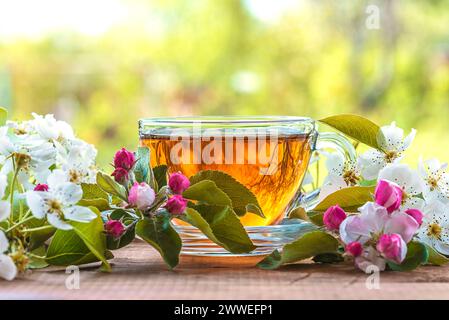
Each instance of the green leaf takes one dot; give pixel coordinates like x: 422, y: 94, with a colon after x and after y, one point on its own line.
x: 93, y: 191
x: 299, y: 213
x: 309, y: 245
x: 36, y: 262
x: 349, y: 199
x: 417, y: 254
x: 221, y: 225
x: 160, y: 174
x: 243, y: 200
x: 86, y: 243
x: 94, y: 196
x: 3, y: 116
x: 142, y: 169
x: 162, y: 236
x: 435, y: 257
x: 358, y: 128
x: 38, y: 238
x: 327, y: 258
x: 208, y: 192
x: 108, y: 185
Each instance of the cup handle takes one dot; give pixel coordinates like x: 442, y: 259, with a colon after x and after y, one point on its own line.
x: 328, y: 140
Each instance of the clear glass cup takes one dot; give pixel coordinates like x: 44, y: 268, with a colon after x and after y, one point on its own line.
x: 268, y: 154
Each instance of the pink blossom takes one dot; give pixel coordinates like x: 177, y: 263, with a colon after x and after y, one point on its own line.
x: 333, y: 217
x: 392, y: 247
x: 355, y: 248
x: 124, y: 159
x: 41, y: 187
x: 416, y: 214
x: 121, y: 175
x: 388, y: 195
x: 375, y: 220
x: 115, y: 228
x: 141, y: 196
x: 176, y: 204
x: 178, y: 182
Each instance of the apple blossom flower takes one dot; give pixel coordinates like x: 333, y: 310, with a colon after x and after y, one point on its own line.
x: 176, y: 204
x: 124, y: 159
x: 115, y: 228
x: 436, y: 180
x: 416, y: 214
x: 121, y: 175
x: 408, y: 180
x: 5, y: 206
x: 78, y: 162
x: 392, y: 148
x: 59, y: 203
x: 141, y: 196
x: 355, y: 248
x: 178, y: 182
x: 8, y: 269
x: 333, y: 217
x: 41, y: 187
x: 51, y: 129
x: 392, y: 247
x: 373, y: 221
x: 388, y: 195
x: 434, y: 230
x: 343, y: 173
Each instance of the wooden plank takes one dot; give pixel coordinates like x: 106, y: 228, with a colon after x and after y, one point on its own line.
x: 139, y: 273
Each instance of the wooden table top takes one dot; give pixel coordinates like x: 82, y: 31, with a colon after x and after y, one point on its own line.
x: 139, y: 273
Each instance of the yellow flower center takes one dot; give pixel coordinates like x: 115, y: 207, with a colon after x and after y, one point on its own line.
x: 433, y: 183
x: 350, y: 177
x: 75, y: 176
x: 434, y: 230
x: 390, y: 156
x: 22, y: 160
x: 55, y: 206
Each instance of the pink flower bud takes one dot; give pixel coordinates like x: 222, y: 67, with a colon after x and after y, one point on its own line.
x: 124, y: 159
x: 392, y: 247
x: 141, y: 196
x: 121, y: 175
x: 115, y: 228
x: 41, y: 187
x: 388, y: 195
x: 415, y: 214
x: 176, y: 204
x: 333, y: 217
x: 355, y: 248
x: 178, y: 183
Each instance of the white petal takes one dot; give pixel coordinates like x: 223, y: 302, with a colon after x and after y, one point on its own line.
x: 332, y: 183
x: 393, y: 137
x: 69, y: 193
x: 335, y: 164
x: 5, y: 210
x: 405, y: 177
x: 370, y: 163
x: 8, y: 270
x: 3, y: 185
x: 408, y: 140
x: 4, y: 244
x: 36, y: 203
x: 56, y: 178
x: 80, y: 214
x: 56, y: 222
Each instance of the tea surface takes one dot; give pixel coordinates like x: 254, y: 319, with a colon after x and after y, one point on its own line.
x: 247, y: 159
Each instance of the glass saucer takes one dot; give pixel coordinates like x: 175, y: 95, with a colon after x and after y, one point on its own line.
x: 266, y: 238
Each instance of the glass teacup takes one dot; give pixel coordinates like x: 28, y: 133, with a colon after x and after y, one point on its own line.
x: 268, y: 154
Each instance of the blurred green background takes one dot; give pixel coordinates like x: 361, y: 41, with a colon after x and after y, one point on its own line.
x: 103, y: 64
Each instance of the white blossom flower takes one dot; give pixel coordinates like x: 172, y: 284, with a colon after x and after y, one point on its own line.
x: 408, y: 180
x: 51, y: 129
x: 392, y: 149
x: 58, y: 205
x: 434, y: 230
x: 436, y: 180
x: 342, y: 173
x: 5, y: 206
x: 79, y: 162
x: 8, y: 269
